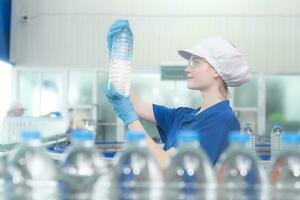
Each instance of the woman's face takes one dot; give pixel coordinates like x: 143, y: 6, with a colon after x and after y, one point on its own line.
x: 200, y: 74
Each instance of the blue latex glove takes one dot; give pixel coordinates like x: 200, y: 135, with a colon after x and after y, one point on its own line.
x: 121, y: 104
x: 115, y: 28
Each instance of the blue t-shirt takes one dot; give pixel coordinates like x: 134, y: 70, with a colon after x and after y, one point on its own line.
x: 213, y: 125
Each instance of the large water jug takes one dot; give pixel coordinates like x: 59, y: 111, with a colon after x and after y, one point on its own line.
x: 238, y: 171
x: 136, y: 173
x: 30, y: 173
x: 81, y: 167
x: 120, y: 61
x: 190, y: 174
x: 285, y: 169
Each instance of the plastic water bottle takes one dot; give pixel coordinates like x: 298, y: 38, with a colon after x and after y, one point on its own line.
x: 120, y: 63
x: 30, y: 173
x: 249, y: 131
x: 276, y: 139
x: 190, y: 174
x: 2, y: 173
x: 81, y: 167
x: 285, y: 170
x: 136, y: 173
x: 238, y: 171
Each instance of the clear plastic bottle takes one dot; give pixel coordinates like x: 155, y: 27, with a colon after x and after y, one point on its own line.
x: 276, y: 139
x: 247, y: 129
x: 285, y: 169
x: 136, y: 173
x: 2, y: 174
x: 81, y: 167
x: 190, y: 174
x: 120, y: 61
x: 30, y: 173
x: 238, y: 171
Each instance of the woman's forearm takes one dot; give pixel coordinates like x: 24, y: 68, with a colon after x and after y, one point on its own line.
x: 161, y: 156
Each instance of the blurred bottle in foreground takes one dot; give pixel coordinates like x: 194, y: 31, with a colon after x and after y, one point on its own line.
x: 81, y: 167
x: 238, y: 172
x: 285, y: 169
x: 190, y: 174
x: 136, y: 173
x: 30, y: 173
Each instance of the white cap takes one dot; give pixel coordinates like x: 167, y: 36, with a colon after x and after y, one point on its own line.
x: 224, y: 57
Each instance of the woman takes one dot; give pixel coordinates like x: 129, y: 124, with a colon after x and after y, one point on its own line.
x: 213, y: 65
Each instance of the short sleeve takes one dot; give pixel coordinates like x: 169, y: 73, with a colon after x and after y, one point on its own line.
x: 164, y: 119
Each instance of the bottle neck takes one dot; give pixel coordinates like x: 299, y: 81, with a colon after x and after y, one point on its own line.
x: 277, y: 131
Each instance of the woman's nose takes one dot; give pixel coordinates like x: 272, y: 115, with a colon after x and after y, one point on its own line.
x: 187, y: 69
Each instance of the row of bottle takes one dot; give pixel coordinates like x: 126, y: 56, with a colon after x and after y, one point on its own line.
x: 31, y: 174
x: 276, y: 133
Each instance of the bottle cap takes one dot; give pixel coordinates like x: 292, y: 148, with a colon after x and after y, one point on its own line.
x: 277, y: 125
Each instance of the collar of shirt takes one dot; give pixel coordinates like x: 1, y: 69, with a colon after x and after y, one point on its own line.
x: 221, y: 106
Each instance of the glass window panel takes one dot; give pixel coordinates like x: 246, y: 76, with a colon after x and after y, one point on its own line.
x: 29, y: 92
x: 106, y: 126
x: 246, y: 95
x: 281, y: 101
x: 150, y: 88
x: 81, y: 88
x: 51, y: 93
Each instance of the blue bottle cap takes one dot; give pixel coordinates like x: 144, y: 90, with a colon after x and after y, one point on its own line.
x: 188, y: 136
x: 30, y: 135
x: 82, y: 135
x: 277, y: 125
x: 237, y: 137
x: 134, y: 136
x: 290, y: 138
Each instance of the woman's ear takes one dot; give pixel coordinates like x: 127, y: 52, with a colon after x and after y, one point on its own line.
x: 216, y: 74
